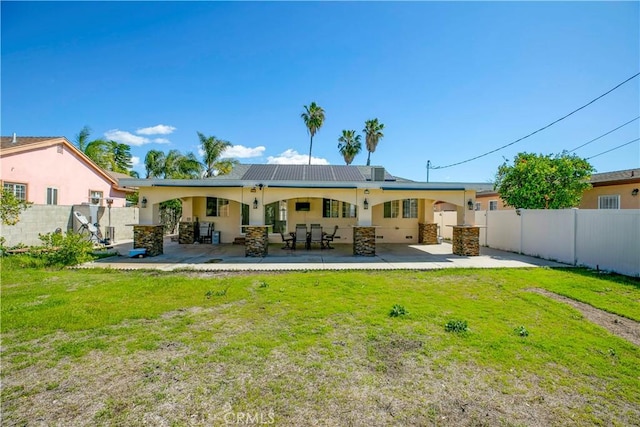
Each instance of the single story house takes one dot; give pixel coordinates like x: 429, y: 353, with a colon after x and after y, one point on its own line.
x: 52, y: 171
x: 281, y: 196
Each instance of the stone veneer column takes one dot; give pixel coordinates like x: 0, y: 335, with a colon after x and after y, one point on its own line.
x: 428, y: 234
x: 364, y: 241
x: 148, y: 237
x: 186, y: 232
x: 466, y: 240
x: 256, y: 243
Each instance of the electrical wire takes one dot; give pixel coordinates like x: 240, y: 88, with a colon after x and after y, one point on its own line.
x: 612, y: 149
x: 542, y: 128
x: 604, y: 134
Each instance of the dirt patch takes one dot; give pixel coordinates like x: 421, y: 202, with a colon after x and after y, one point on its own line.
x: 617, y: 325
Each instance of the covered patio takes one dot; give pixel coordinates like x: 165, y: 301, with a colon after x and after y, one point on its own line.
x: 389, y: 256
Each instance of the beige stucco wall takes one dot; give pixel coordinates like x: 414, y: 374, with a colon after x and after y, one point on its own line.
x: 627, y: 201
x: 392, y: 230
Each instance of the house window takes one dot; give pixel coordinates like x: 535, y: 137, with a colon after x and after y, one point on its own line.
x: 392, y: 209
x: 349, y: 210
x: 52, y: 196
x: 493, y: 205
x: 95, y: 197
x: 478, y: 206
x: 330, y: 208
x: 18, y: 190
x: 609, y: 202
x: 217, y: 206
x: 410, y: 208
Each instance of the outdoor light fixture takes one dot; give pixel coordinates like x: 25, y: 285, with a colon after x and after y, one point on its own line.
x: 634, y: 192
x: 253, y: 189
x: 366, y: 191
x: 366, y: 204
x: 143, y: 202
x: 109, y: 202
x: 470, y: 204
x: 260, y: 186
x: 255, y: 203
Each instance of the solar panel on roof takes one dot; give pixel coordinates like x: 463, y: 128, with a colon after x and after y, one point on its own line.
x: 319, y: 173
x: 260, y: 172
x: 289, y: 173
x: 347, y: 173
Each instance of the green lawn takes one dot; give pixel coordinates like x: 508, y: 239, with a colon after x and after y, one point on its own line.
x: 87, y: 347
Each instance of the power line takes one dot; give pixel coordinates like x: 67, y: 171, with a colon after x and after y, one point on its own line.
x: 614, y: 148
x: 541, y: 129
x: 604, y: 134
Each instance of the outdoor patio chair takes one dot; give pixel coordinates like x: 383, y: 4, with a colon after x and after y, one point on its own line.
x: 328, y: 238
x: 288, y: 240
x: 301, y: 236
x: 316, y: 235
x: 206, y: 232
x: 88, y: 229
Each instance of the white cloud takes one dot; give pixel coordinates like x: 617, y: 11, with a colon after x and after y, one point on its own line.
x: 125, y: 137
x: 242, y: 152
x: 135, y: 161
x: 161, y: 140
x: 292, y: 157
x: 156, y: 130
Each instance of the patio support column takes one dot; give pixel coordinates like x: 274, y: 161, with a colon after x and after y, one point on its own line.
x: 364, y: 241
x: 428, y: 234
x: 148, y: 237
x: 186, y: 232
x: 466, y: 240
x: 256, y: 243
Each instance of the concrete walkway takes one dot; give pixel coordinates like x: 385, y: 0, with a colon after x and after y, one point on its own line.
x: 227, y: 257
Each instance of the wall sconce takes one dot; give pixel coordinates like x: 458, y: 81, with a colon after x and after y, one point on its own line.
x: 366, y: 191
x: 253, y: 189
x: 470, y: 204
x: 255, y: 203
x: 143, y: 202
x: 260, y: 186
x: 366, y: 204
x: 634, y: 192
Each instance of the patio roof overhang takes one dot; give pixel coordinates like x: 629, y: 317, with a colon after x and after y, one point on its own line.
x: 370, y: 185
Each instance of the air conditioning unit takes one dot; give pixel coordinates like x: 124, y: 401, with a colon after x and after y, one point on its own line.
x: 377, y: 173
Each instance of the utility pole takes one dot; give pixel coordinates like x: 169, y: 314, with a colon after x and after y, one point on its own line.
x: 428, y: 167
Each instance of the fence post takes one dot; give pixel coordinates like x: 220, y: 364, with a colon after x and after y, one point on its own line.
x: 575, y: 236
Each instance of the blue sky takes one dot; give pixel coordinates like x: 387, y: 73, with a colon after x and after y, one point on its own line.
x: 450, y: 81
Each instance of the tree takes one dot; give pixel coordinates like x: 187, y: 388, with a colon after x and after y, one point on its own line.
x: 313, y: 117
x: 109, y: 155
x: 11, y: 207
x: 214, y: 148
x: 373, y: 132
x: 154, y: 164
x: 173, y: 165
x: 537, y: 181
x: 349, y: 145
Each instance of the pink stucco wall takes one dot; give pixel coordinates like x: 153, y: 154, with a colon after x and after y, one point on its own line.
x: 58, y: 167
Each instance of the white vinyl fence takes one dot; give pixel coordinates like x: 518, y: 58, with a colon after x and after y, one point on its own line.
x: 604, y: 239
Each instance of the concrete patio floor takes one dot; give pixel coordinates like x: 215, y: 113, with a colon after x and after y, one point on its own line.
x: 228, y: 257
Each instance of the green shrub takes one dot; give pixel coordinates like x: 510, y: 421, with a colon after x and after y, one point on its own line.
x: 397, y: 311
x: 521, y: 331
x: 458, y: 326
x: 64, y: 249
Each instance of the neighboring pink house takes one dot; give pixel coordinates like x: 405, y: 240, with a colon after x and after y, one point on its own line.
x: 52, y: 171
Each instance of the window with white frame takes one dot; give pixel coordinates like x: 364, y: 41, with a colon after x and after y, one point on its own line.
x: 52, y: 196
x: 493, y: 205
x: 18, y: 190
x: 392, y: 209
x: 609, y: 202
x: 95, y: 197
x: 410, y: 208
x: 349, y: 210
x: 217, y: 206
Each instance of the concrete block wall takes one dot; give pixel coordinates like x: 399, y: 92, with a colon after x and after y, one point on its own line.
x: 42, y: 219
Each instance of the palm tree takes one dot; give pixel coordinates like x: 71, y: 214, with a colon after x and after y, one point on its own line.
x: 313, y: 117
x: 373, y: 132
x: 213, y: 148
x: 82, y: 138
x: 154, y: 163
x: 109, y: 155
x: 349, y: 145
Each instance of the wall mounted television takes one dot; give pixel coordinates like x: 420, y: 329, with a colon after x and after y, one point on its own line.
x: 303, y: 206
